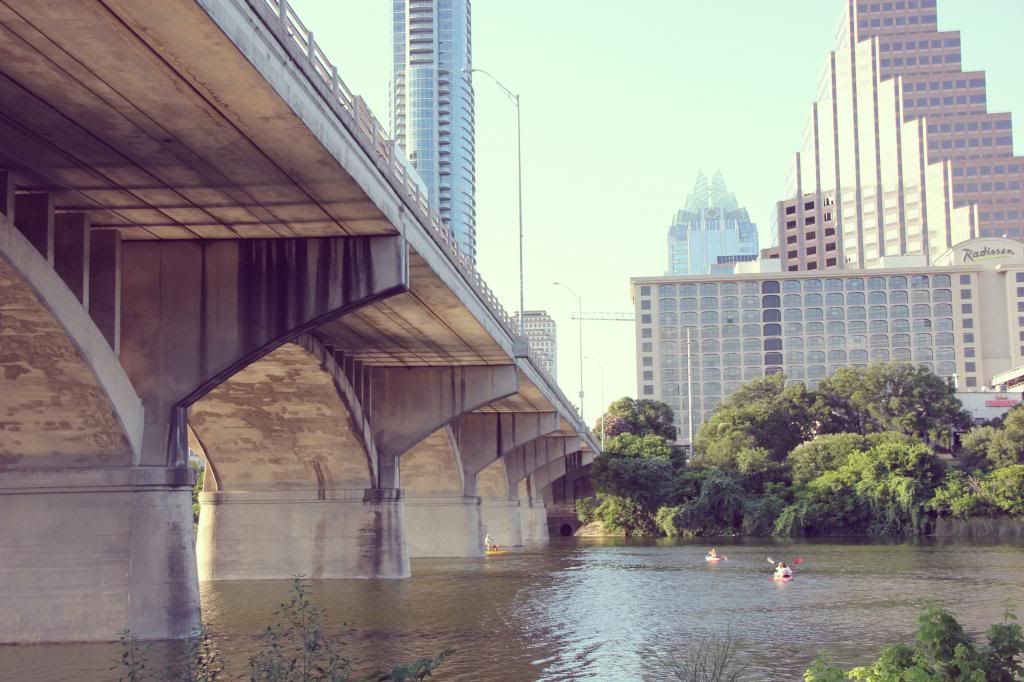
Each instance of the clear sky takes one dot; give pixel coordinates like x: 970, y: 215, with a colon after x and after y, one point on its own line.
x: 622, y: 104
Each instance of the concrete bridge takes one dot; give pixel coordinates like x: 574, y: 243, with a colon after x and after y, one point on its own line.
x: 207, y: 243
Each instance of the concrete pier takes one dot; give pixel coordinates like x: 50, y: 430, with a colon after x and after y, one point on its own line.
x: 275, y: 535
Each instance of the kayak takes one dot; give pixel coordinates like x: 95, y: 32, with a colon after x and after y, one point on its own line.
x: 493, y: 552
x: 782, y: 578
x: 712, y: 559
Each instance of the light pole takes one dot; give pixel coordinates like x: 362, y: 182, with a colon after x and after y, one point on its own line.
x: 519, y: 170
x: 579, y: 305
x: 603, y: 405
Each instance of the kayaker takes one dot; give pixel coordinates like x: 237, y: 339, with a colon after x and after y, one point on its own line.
x: 783, y: 571
x: 713, y: 553
x: 489, y: 544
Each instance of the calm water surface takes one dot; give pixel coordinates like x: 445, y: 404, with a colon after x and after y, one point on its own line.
x: 612, y: 609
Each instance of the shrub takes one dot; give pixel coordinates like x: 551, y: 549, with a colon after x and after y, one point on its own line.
x: 585, y: 507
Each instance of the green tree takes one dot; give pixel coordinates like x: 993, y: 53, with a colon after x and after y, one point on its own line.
x: 640, y: 418
x: 764, y: 413
x: 633, y: 477
x: 823, y: 453
x: 889, y: 397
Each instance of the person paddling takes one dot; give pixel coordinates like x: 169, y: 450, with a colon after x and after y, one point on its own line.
x: 783, y: 571
x: 713, y: 553
x: 489, y: 544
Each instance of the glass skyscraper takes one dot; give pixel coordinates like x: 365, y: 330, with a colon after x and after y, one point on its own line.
x: 432, y: 106
x: 712, y: 233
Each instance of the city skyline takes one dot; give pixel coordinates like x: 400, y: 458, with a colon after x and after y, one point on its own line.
x: 606, y: 204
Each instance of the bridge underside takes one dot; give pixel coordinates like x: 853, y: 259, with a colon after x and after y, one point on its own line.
x: 187, y: 225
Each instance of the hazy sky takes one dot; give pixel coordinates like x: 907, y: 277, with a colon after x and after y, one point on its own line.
x: 622, y: 104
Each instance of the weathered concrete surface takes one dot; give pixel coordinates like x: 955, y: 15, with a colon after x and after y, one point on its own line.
x: 534, y: 519
x: 194, y: 313
x: 440, y: 520
x: 483, y: 438
x: 64, y: 399
x: 411, y: 403
x: 448, y: 526
x: 499, y: 505
x: 278, y: 425
x: 502, y: 520
x: 270, y: 536
x: 85, y: 553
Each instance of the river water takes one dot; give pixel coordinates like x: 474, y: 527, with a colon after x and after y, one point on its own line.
x: 612, y: 609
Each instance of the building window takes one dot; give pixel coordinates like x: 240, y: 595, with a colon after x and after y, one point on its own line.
x: 646, y: 319
x: 810, y: 235
x: 812, y: 250
x: 1020, y: 276
x: 645, y: 333
x: 966, y: 308
x: 645, y: 291
x: 968, y: 352
x: 645, y: 305
x: 648, y: 361
x: 648, y: 375
x: 809, y: 220
x: 790, y: 210
x: 648, y: 390
x: 965, y: 293
x: 972, y: 382
x: 969, y: 338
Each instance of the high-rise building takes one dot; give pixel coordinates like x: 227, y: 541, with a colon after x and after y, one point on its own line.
x: 432, y: 106
x: 542, y: 337
x: 698, y: 339
x: 900, y: 154
x: 712, y: 233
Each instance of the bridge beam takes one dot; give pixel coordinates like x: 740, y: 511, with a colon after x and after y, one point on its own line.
x: 196, y: 312
x: 484, y: 438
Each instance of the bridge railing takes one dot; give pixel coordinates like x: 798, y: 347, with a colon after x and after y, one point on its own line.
x: 373, y: 137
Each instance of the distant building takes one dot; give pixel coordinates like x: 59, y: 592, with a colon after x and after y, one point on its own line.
x: 901, y: 155
x: 711, y: 233
x: 432, y: 115
x: 962, y: 317
x: 542, y: 335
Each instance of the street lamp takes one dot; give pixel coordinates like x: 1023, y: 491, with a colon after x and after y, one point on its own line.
x: 519, y: 166
x: 579, y: 304
x: 603, y: 405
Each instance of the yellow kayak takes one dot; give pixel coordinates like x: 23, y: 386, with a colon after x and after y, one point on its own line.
x: 492, y: 552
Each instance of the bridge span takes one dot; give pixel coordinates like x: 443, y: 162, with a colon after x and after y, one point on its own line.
x: 208, y: 244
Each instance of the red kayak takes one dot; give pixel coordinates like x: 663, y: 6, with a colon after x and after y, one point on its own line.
x: 712, y: 559
x: 782, y: 578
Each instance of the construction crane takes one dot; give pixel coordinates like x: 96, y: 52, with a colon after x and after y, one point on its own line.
x: 604, y: 317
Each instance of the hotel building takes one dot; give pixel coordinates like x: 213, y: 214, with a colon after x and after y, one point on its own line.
x: 699, y: 338
x: 542, y: 338
x: 900, y: 154
x: 712, y: 233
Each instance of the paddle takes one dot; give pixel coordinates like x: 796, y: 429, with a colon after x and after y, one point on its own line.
x: 795, y: 562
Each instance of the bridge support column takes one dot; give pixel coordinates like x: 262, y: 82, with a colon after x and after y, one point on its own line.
x: 444, y: 526
x: 87, y: 552
x: 501, y: 519
x: 271, y: 535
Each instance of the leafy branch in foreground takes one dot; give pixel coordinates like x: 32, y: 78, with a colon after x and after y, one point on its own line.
x: 942, y: 652
x: 296, y: 648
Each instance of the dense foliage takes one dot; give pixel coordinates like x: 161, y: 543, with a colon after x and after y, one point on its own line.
x: 869, y: 452
x: 942, y: 651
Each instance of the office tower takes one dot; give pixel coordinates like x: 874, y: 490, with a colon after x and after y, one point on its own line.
x: 962, y: 317
x: 712, y: 233
x: 542, y: 336
x: 432, y: 107
x: 899, y: 147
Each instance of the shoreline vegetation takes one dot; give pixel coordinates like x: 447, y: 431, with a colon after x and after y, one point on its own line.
x: 881, y: 450
x: 297, y: 647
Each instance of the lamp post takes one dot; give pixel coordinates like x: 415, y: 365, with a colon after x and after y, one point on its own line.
x: 519, y: 170
x: 603, y: 405
x: 579, y: 304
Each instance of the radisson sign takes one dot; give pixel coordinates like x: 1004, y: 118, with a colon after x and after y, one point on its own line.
x: 969, y: 255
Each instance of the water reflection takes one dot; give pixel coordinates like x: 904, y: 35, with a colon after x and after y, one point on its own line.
x: 613, y: 610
